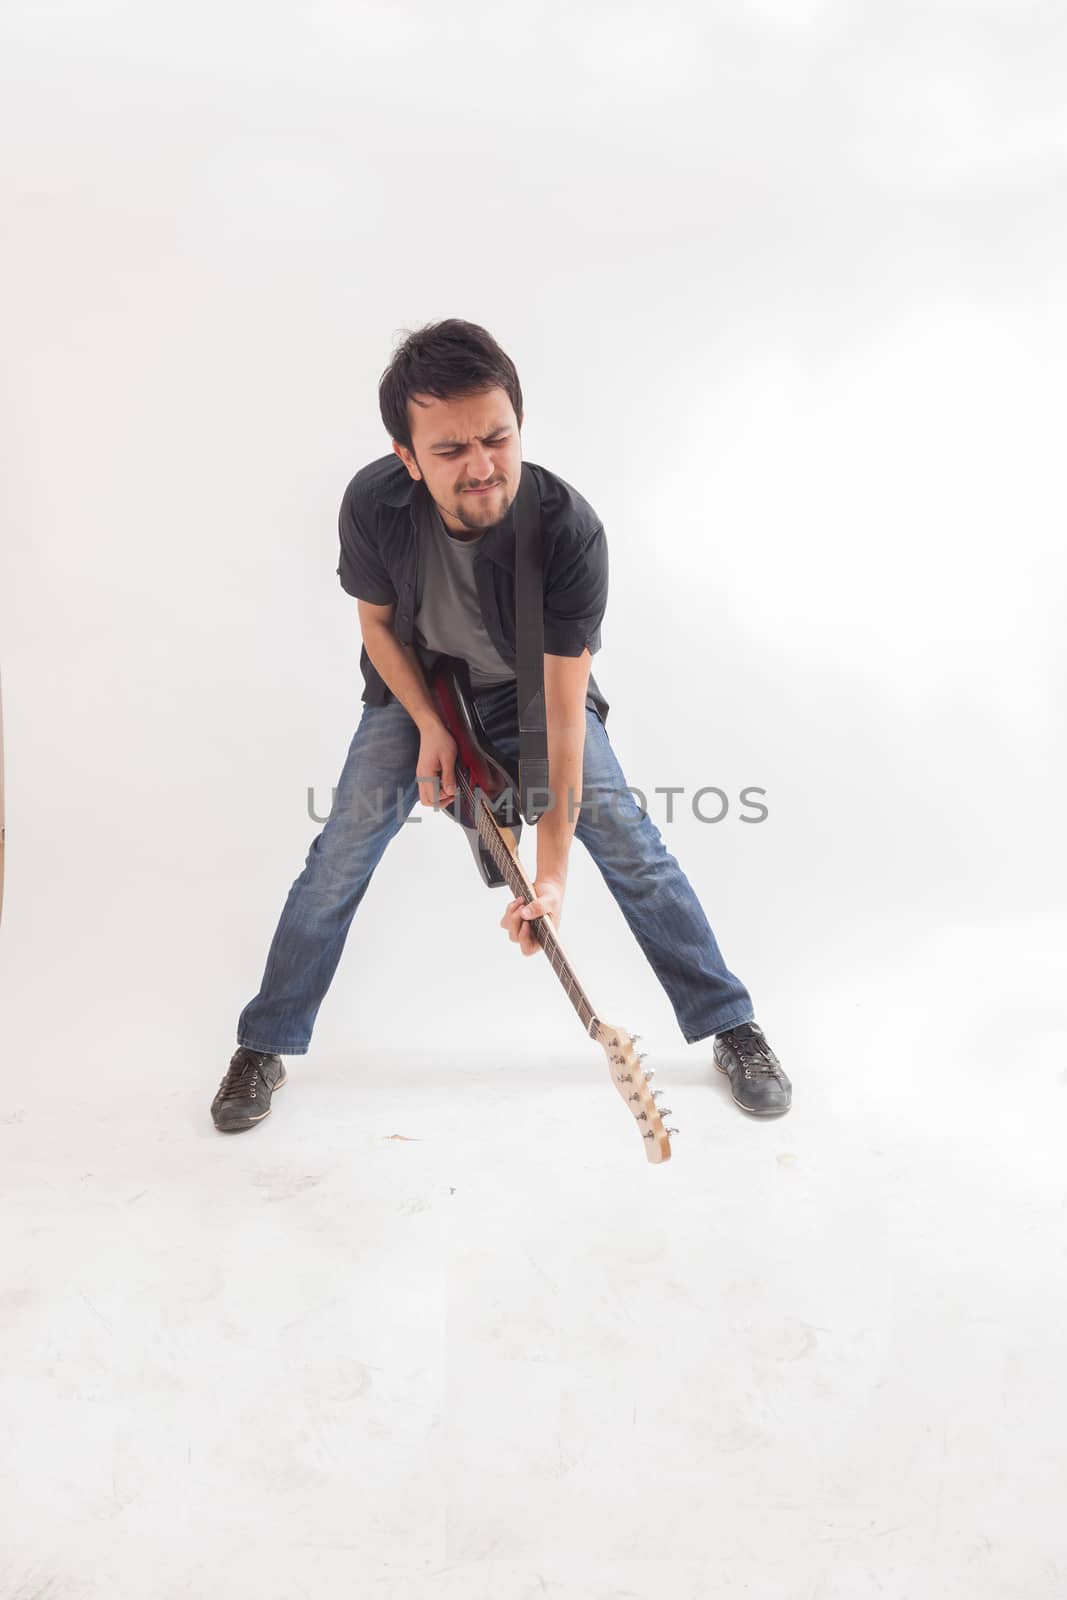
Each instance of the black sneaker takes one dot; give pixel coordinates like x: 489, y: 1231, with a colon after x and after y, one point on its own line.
x: 755, y: 1072
x: 243, y: 1096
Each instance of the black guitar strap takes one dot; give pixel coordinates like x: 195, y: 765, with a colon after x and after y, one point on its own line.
x: 530, y: 649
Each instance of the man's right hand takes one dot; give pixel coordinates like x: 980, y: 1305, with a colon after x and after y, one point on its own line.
x: 437, y: 761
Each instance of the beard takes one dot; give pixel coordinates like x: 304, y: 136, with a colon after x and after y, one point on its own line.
x: 479, y: 513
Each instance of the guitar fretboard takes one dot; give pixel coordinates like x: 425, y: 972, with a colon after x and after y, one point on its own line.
x: 511, y: 871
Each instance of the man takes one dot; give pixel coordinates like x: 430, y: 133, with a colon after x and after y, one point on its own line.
x: 427, y: 550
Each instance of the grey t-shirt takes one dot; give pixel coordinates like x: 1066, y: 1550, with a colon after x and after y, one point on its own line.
x: 448, y: 617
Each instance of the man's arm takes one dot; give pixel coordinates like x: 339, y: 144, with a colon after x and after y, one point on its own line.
x: 399, y: 667
x: 576, y: 593
x: 566, y: 680
x: 397, y: 663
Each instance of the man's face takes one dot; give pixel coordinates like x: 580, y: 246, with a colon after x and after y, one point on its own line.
x: 460, y: 446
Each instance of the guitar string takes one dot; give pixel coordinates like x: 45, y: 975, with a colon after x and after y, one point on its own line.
x: 505, y: 861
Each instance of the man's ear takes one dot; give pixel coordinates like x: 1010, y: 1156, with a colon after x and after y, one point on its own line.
x: 408, y: 459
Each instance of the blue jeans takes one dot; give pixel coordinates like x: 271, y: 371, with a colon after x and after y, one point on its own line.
x: 376, y: 793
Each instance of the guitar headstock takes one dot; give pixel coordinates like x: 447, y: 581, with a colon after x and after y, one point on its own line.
x: 631, y: 1080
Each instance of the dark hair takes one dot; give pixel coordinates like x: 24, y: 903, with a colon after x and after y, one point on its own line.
x: 446, y: 359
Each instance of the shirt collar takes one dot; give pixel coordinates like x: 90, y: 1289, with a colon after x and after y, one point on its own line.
x: 402, y: 492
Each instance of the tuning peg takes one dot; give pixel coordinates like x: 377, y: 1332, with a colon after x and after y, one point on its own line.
x: 634, y: 1038
x: 657, y: 1092
x: 673, y: 1130
x: 664, y: 1111
x: 649, y: 1072
x: 642, y: 1055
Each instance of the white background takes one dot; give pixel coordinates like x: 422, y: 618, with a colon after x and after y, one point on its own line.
x: 783, y: 284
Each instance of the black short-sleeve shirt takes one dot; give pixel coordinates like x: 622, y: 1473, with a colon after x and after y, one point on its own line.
x: 378, y: 530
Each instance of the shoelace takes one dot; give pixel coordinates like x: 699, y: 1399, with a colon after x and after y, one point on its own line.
x: 241, y: 1080
x: 755, y: 1053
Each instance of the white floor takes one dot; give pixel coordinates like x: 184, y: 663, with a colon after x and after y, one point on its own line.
x: 500, y: 1357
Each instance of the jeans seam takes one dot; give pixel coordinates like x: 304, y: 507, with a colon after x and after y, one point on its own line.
x: 274, y: 1049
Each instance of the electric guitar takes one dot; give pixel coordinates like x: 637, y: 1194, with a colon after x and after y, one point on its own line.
x: 486, y: 807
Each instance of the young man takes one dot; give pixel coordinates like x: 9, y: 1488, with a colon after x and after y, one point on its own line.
x: 427, y: 550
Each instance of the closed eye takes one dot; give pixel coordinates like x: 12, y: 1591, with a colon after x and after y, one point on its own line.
x: 457, y: 449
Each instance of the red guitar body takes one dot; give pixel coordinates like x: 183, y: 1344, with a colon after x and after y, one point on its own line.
x: 491, y: 777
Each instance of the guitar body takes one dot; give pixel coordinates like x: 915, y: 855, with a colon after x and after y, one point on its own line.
x: 492, y: 777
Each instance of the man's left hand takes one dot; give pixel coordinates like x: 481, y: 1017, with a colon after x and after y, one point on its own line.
x: 548, y: 901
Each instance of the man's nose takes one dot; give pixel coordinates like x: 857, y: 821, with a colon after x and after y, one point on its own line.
x: 481, y: 464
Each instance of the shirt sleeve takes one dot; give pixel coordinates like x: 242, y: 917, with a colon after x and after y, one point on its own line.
x: 576, y: 596
x: 361, y: 569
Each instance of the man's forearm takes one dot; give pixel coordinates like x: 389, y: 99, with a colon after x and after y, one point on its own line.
x: 556, y: 828
x: 398, y: 666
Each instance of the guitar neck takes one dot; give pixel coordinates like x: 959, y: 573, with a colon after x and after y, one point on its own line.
x: 512, y: 871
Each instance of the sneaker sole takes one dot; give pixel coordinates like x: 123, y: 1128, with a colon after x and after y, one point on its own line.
x: 250, y: 1122
x: 753, y: 1111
